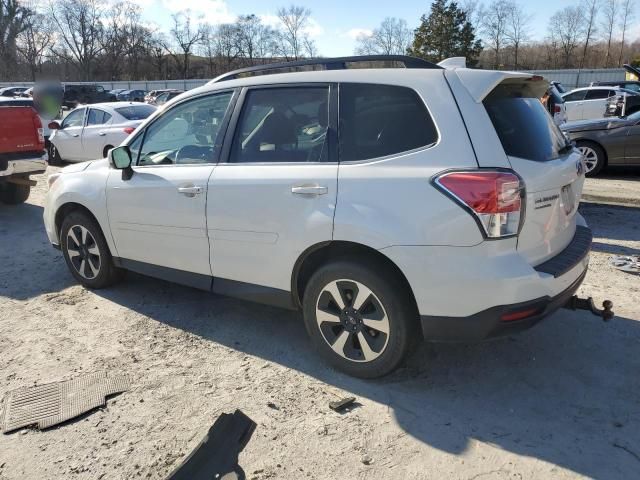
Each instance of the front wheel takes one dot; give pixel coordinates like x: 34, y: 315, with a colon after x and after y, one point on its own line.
x: 54, y: 155
x: 360, y: 319
x: 86, y: 251
x: 594, y: 157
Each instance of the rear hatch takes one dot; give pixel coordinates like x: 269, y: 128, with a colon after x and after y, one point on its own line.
x: 20, y: 130
x: 539, y: 153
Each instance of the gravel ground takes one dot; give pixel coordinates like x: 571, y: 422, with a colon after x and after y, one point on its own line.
x: 559, y: 401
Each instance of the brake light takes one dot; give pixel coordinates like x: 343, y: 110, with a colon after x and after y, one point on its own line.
x: 128, y: 130
x: 557, y: 109
x: 37, y: 123
x: 494, y: 198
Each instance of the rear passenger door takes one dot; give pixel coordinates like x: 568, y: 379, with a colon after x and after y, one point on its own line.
x: 595, y: 103
x: 273, y: 194
x: 94, y: 134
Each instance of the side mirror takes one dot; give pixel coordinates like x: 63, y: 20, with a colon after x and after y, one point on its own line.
x: 65, y: 108
x: 120, y: 158
x: 54, y: 126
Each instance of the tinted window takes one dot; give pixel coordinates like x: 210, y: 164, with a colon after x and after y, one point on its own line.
x: 598, y: 94
x: 136, y: 112
x: 283, y: 125
x: 381, y: 120
x: 522, y: 123
x: 575, y: 96
x: 74, y: 119
x: 187, y: 133
x: 97, y: 117
x: 16, y: 103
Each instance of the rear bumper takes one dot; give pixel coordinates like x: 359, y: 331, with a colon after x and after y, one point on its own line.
x: 29, y: 165
x: 488, y: 323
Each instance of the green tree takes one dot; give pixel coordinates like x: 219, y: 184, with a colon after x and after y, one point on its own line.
x: 13, y: 21
x: 446, y: 32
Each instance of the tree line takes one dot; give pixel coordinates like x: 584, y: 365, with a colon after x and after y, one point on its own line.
x: 90, y: 39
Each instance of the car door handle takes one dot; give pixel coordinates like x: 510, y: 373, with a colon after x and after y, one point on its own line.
x: 309, y: 190
x: 191, y: 191
x: 102, y: 134
x: 75, y: 135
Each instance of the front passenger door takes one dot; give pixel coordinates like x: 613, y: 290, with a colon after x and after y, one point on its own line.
x: 68, y: 139
x: 157, y: 216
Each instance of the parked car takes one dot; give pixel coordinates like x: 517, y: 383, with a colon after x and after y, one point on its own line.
x: 622, y: 105
x: 28, y: 93
x: 87, y: 133
x: 608, y: 141
x: 113, y: 94
x: 83, y: 94
x: 164, y: 97
x: 453, y: 230
x: 22, y: 151
x: 12, y: 91
x: 589, y: 102
x: 131, y: 96
x: 154, y: 93
x: 632, y: 85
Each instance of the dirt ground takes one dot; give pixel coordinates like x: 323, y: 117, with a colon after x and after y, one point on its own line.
x: 559, y: 401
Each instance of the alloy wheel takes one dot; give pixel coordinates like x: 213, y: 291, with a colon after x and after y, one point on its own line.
x: 83, y: 252
x: 352, y: 320
x: 590, y: 157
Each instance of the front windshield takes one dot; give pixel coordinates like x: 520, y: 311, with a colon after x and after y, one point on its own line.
x: 634, y: 116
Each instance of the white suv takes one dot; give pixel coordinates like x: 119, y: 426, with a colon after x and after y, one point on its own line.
x: 386, y: 204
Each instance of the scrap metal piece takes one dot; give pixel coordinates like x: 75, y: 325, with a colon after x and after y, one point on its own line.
x: 626, y: 263
x: 216, y: 456
x: 577, y: 303
x: 53, y: 403
x: 340, y: 405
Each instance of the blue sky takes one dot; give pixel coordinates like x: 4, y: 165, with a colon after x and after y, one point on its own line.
x: 335, y: 23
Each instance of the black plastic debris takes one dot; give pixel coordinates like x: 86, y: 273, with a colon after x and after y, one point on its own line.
x: 217, y: 453
x: 341, y: 405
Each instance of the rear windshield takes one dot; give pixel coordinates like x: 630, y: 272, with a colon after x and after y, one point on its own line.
x: 136, y: 112
x: 16, y: 103
x: 522, y: 123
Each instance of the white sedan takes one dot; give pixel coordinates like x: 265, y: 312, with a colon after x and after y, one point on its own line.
x: 90, y: 131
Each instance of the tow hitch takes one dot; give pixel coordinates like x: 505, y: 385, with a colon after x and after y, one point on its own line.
x: 577, y: 303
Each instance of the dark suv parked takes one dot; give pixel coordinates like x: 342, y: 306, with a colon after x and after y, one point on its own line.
x: 77, y: 94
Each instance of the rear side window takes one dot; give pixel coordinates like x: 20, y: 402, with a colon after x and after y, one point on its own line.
x: 381, y: 120
x: 599, y: 94
x: 575, y: 96
x: 525, y: 128
x: 136, y: 112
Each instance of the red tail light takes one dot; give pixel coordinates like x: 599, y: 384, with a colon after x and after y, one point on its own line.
x: 128, y: 130
x: 37, y: 123
x: 557, y: 109
x: 494, y: 198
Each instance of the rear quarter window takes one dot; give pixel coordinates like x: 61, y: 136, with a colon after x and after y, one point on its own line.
x: 136, y: 112
x: 382, y: 120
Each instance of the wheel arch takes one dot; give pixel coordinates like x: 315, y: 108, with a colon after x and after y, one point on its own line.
x: 597, y: 143
x: 321, y: 253
x: 70, y: 207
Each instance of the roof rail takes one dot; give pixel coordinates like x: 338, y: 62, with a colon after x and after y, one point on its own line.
x: 337, y: 63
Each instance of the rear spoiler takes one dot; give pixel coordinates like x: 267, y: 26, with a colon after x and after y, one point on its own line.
x: 480, y: 83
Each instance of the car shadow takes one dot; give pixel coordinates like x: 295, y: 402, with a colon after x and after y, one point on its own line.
x: 29, y: 266
x: 564, y: 392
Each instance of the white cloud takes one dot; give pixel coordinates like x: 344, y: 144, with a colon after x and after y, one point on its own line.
x: 210, y: 11
x: 354, y: 33
x: 314, y: 29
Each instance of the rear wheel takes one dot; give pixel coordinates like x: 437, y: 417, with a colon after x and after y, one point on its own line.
x: 13, y: 194
x: 359, y: 318
x: 594, y: 157
x: 54, y: 155
x: 86, y: 251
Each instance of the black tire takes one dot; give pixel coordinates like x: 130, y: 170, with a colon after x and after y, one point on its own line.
x: 388, y: 293
x: 13, y: 194
x: 106, y: 272
x: 54, y: 155
x: 105, y: 152
x: 600, y: 156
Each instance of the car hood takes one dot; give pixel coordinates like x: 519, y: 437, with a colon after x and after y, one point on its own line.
x: 596, y: 124
x: 81, y: 167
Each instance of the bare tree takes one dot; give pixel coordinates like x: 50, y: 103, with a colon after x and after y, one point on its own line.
x: 34, y: 41
x: 185, y: 35
x: 157, y: 53
x: 13, y: 21
x: 590, y: 9
x: 517, y: 30
x: 627, y: 16
x: 256, y: 40
x: 610, y: 17
x: 293, y: 35
x: 566, y: 27
x: 494, y: 26
x: 79, y: 27
x: 392, y: 37
x: 228, y: 45
x: 475, y: 13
